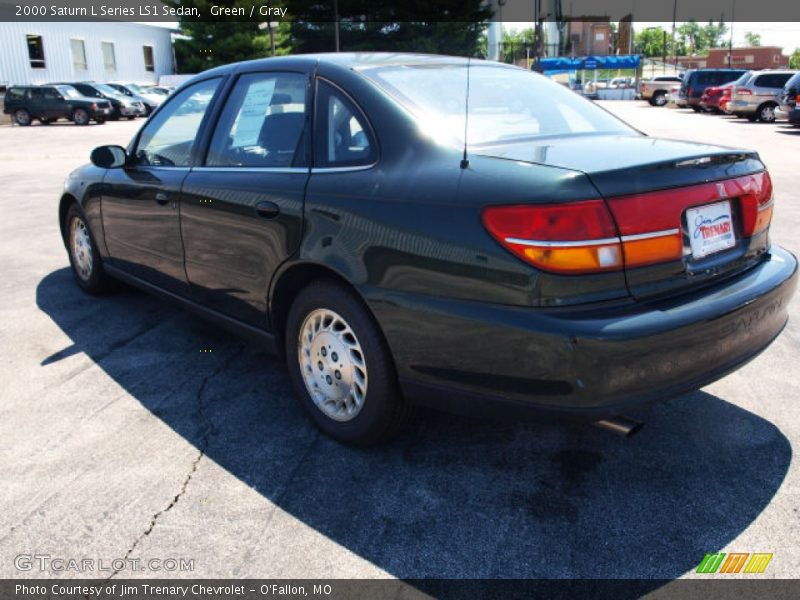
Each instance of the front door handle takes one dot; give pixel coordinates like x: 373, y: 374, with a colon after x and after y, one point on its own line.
x: 162, y: 198
x: 267, y: 209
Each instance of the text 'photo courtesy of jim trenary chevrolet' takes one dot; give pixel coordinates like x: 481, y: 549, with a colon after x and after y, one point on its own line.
x: 345, y: 300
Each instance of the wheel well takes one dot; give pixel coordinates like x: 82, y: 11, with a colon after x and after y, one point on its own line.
x: 287, y: 287
x: 67, y: 200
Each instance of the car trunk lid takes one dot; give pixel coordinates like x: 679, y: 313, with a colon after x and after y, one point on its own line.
x: 652, y: 187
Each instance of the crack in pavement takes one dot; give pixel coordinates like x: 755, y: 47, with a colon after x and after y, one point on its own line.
x: 207, y: 429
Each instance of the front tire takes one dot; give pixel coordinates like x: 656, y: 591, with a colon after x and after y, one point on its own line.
x: 341, y: 369
x: 84, y: 258
x: 80, y: 117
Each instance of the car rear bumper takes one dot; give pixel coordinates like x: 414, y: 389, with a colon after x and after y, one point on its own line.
x: 470, y: 357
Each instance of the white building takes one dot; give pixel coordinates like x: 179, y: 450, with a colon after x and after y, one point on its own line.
x: 34, y: 53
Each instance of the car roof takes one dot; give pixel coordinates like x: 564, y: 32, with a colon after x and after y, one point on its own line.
x: 358, y: 60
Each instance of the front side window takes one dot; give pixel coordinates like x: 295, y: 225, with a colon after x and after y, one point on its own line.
x: 149, y: 65
x: 109, y: 59
x: 262, y: 124
x: 78, y: 55
x: 342, y: 138
x: 36, y: 51
x: 505, y: 104
x: 168, y: 138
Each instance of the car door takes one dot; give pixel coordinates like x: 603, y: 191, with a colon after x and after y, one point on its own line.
x: 242, y: 210
x: 141, y: 201
x: 36, y: 103
x: 52, y: 104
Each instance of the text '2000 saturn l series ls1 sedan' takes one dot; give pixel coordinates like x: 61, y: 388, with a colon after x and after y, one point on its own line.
x: 329, y: 205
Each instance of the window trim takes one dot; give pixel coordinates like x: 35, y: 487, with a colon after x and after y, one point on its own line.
x: 308, y: 127
x: 370, y: 131
x: 113, y: 55
x: 201, y: 130
x: 85, y: 66
x: 43, y: 60
x: 152, y: 68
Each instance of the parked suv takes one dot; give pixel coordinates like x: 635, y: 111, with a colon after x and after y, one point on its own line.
x: 758, y: 96
x: 52, y: 102
x: 789, y: 99
x: 695, y: 82
x: 122, y: 105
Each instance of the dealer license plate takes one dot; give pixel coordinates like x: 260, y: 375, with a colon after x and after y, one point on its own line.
x: 710, y: 228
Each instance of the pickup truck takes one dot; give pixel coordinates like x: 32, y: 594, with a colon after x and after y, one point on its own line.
x: 657, y: 89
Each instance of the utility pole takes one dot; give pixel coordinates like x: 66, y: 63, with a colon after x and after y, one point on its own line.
x: 674, y: 49
x: 730, y: 42
x: 336, y: 24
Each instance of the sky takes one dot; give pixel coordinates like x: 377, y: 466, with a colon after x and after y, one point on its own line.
x: 786, y: 35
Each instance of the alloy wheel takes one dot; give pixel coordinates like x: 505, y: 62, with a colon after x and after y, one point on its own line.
x: 332, y: 364
x: 767, y: 114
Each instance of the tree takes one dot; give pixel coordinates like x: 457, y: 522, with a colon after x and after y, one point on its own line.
x: 752, y: 39
x: 226, y: 39
x: 650, y: 42
x: 446, y: 27
x: 692, y: 36
x: 714, y: 33
x: 794, y: 60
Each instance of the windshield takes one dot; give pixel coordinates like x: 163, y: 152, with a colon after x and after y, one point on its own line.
x: 106, y: 89
x: 133, y: 87
x: 68, y: 91
x: 505, y: 104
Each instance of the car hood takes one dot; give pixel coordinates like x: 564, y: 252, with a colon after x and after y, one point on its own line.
x: 626, y: 164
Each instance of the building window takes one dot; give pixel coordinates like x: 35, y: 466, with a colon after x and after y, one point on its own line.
x: 78, y: 54
x: 109, y: 60
x: 36, y: 51
x: 148, y: 58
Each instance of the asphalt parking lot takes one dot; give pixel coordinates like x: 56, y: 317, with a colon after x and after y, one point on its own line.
x: 130, y: 429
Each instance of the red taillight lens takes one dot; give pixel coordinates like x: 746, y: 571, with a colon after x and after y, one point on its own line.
x: 797, y: 99
x: 572, y: 238
x: 689, y: 92
x: 757, y: 202
x: 744, y: 92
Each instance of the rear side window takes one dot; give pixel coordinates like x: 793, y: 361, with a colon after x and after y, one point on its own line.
x: 15, y: 93
x: 51, y: 94
x: 343, y: 137
x: 773, y: 80
x: 168, y: 138
x: 262, y: 124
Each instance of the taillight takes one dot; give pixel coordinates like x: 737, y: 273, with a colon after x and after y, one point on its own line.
x: 572, y: 238
x: 797, y: 99
x: 757, y: 203
x: 744, y: 92
x: 689, y: 92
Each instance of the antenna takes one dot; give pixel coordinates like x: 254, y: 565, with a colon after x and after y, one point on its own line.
x: 465, y: 160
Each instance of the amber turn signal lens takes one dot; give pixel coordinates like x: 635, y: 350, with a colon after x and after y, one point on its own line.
x: 653, y: 250
x: 582, y: 259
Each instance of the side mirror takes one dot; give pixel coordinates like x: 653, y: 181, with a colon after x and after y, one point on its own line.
x: 109, y: 157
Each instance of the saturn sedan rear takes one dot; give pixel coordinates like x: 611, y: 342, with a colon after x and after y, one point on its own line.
x: 400, y: 241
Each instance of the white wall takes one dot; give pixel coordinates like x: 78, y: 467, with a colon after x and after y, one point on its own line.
x: 128, y: 39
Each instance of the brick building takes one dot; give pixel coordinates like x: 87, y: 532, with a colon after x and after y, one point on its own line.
x: 589, y: 36
x: 761, y: 57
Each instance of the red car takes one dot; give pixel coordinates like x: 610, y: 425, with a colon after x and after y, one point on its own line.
x: 714, y: 99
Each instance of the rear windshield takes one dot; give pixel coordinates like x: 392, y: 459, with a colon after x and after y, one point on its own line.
x: 505, y: 104
x: 106, y: 89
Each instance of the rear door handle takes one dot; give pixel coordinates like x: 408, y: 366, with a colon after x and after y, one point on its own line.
x: 267, y: 209
x: 162, y: 198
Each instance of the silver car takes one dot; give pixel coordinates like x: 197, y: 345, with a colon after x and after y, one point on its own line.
x: 759, y: 95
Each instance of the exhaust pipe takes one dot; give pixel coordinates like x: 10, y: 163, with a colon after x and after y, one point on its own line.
x: 622, y: 426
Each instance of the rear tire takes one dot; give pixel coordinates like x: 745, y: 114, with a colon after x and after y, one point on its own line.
x: 341, y: 369
x: 22, y: 117
x: 87, y: 267
x: 766, y: 113
x: 659, y: 99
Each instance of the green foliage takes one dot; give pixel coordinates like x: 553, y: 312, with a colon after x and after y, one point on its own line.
x: 388, y: 25
x: 692, y: 38
x: 650, y: 42
x: 225, y: 40
x: 794, y: 60
x: 515, y: 44
x: 752, y: 39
